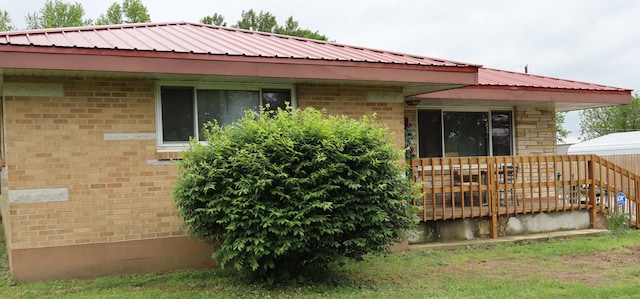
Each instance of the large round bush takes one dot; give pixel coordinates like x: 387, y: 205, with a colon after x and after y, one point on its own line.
x: 279, y: 193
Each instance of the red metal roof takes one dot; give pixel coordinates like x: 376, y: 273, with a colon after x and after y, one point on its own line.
x: 505, y: 88
x: 500, y: 78
x: 191, y: 38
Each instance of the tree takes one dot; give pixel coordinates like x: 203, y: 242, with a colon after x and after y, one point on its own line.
x: 5, y: 21
x: 113, y: 15
x: 56, y: 14
x: 214, y: 19
x: 281, y: 194
x: 263, y: 22
x: 561, y: 132
x: 266, y: 22
x: 131, y: 11
x: 292, y: 28
x: 135, y: 12
x: 597, y: 122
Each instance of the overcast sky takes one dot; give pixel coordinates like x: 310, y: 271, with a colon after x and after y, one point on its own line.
x: 594, y: 41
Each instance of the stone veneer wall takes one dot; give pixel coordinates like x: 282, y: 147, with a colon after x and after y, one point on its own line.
x: 411, y: 123
x: 535, y: 131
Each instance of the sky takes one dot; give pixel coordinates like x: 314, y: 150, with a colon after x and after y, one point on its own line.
x: 592, y: 41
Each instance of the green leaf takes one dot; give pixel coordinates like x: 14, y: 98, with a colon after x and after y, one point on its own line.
x: 278, y: 193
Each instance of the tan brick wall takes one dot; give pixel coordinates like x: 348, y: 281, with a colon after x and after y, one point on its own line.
x: 351, y: 100
x: 59, y: 142
x: 535, y: 131
x: 113, y: 194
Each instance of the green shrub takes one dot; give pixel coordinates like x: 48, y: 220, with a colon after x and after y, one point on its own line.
x: 277, y: 194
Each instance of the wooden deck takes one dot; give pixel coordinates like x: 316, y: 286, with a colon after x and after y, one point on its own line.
x: 468, y: 187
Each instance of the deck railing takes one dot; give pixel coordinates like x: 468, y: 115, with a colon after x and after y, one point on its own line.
x: 464, y: 187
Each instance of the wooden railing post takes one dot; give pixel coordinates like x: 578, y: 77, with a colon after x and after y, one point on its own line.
x: 493, y: 200
x: 637, y: 202
x: 593, y: 212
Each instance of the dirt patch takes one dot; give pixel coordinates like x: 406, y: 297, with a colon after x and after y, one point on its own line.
x: 595, y: 269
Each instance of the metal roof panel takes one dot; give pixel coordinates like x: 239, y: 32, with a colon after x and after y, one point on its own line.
x: 184, y: 37
x: 494, y: 77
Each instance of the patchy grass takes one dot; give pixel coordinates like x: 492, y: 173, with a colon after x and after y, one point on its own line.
x: 594, y: 267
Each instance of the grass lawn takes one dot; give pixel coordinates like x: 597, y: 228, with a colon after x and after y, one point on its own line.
x: 585, y: 267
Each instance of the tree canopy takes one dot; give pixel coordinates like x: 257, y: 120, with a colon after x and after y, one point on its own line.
x: 56, y: 14
x: 214, y: 19
x: 5, y: 21
x: 59, y: 13
x: 561, y: 132
x: 598, y: 122
x: 131, y: 11
x: 265, y: 22
x: 292, y: 28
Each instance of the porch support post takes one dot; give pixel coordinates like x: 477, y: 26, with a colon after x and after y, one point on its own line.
x: 493, y: 200
x: 593, y: 212
x: 494, y: 225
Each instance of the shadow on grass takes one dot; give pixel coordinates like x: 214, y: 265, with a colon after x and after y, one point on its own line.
x: 187, y: 283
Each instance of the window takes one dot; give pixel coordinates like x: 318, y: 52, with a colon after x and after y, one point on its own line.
x: 185, y: 109
x: 464, y: 133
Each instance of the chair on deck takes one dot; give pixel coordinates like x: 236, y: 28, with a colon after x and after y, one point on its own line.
x: 461, y: 178
x: 508, y: 174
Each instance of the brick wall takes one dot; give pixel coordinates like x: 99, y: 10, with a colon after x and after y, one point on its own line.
x: 92, y: 150
x: 352, y: 101
x: 62, y: 143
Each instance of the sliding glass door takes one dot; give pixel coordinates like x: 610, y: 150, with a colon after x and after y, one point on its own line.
x: 444, y: 133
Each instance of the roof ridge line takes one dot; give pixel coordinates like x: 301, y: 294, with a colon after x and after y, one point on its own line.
x: 91, y: 28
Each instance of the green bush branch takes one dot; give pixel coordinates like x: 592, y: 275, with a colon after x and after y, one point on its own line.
x: 280, y: 193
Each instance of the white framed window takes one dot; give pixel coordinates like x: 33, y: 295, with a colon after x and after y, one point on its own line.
x: 464, y: 133
x: 183, y: 109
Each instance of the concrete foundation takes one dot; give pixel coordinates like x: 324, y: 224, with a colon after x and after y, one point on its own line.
x: 480, y: 228
x: 97, y: 260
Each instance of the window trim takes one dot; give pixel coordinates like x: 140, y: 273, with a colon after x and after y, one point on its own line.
x: 469, y: 109
x: 178, y: 146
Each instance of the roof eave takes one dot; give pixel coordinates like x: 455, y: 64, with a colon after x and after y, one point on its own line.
x: 528, y: 94
x: 224, y: 65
